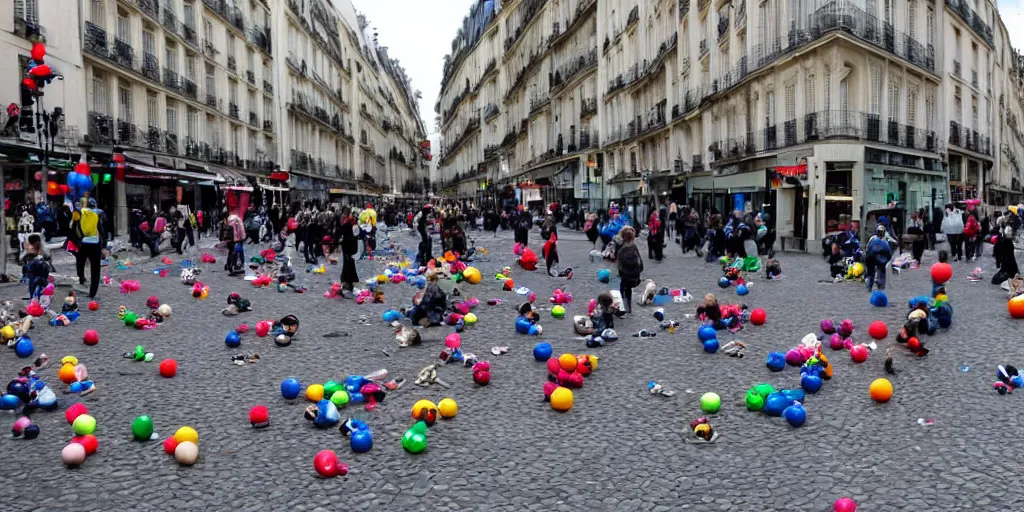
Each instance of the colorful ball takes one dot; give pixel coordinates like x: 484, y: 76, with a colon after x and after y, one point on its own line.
x: 941, y: 272
x: 168, y: 368
x: 711, y: 346
x: 315, y: 392
x: 710, y: 403
x: 754, y: 401
x: 844, y: 505
x: 561, y: 399
x: 186, y: 433
x: 878, y: 330
x: 859, y: 353
x: 810, y: 383
x: 170, y: 444
x: 706, y: 332
x: 758, y: 316
x: 73, y: 455
x: 827, y: 326
x: 835, y: 342
x: 472, y: 275
x: 775, y: 404
x: 558, y: 311
x: 1016, y: 307
x: 142, y: 428
x: 421, y: 407
x: 775, y: 361
x: 723, y: 282
x: 186, y: 453
x: 763, y: 389
x: 880, y: 390
x: 795, y: 415
x: 447, y: 408
x: 340, y: 398
x: 567, y: 362
x: 742, y: 290
x: 23, y: 348
x: 259, y: 416
x: 878, y: 299
x: 290, y: 388
x: 232, y: 340
x: 73, y: 412
x: 89, y: 442
x: 361, y: 441
x: 66, y: 373
x: 795, y: 357
x: 91, y: 337
x: 470, y: 318
x: 482, y: 378
x: 84, y: 425
x: 8, y: 332
x: 604, y: 275
x: 94, y: 306
x: 542, y: 351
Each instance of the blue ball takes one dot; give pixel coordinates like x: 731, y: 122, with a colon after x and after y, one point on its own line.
x: 8, y: 402
x: 604, y: 275
x: 361, y: 440
x: 879, y: 299
x: 741, y: 289
x: 290, y: 388
x: 723, y: 282
x: 353, y: 383
x: 775, y: 404
x: 707, y: 333
x: 794, y: 395
x: 542, y: 351
x: 795, y: 415
x: 232, y: 340
x: 523, y: 325
x: 391, y: 316
x: 23, y: 347
x: 776, y: 361
x: 711, y: 346
x: 811, y: 383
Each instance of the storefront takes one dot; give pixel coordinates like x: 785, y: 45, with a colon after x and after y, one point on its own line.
x: 744, y: 191
x: 147, y: 187
x: 908, y: 190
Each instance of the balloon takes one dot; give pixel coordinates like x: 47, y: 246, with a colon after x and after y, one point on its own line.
x: 561, y: 399
x: 448, y: 408
x: 795, y: 415
x: 31, y: 85
x: 710, y: 403
x: 794, y: 357
x: 754, y: 401
x: 82, y: 168
x: 1016, y: 307
x: 482, y: 378
x: 91, y: 337
x: 170, y: 444
x: 74, y: 412
x: 84, y: 425
x: 259, y: 416
x: 361, y: 441
x: 186, y: 453
x: 775, y: 361
x: 758, y: 316
x: 51, y: 188
x: 810, y: 383
x: 880, y: 390
x: 340, y: 398
x: 142, y: 428
x: 707, y: 332
x: 290, y: 388
x: 413, y: 442
x: 186, y: 433
x: 859, y: 353
x: 232, y: 340
x: 542, y: 351
x: 878, y: 330
x: 844, y: 505
x: 168, y: 368
x: 23, y: 348
x: 73, y: 454
x: 711, y: 346
x: 941, y: 272
x: 315, y: 393
x: 827, y: 326
x: 879, y: 299
x: 40, y: 71
x: 567, y: 362
x: 89, y: 442
x: 775, y: 404
x: 38, y: 52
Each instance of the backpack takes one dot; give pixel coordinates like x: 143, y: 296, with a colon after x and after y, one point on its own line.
x: 630, y: 264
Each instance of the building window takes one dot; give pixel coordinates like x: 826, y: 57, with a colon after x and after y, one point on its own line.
x: 190, y: 67
x: 96, y: 13
x: 930, y: 26
x: 790, y: 102
x: 809, y: 93
x: 912, y: 107
x: 148, y: 42
x: 231, y: 42
x: 769, y: 118
x: 151, y: 107
x: 172, y: 117
x: 828, y: 88
x: 874, y: 102
x: 210, y: 88
x: 124, y: 28
x: 100, y: 100
x: 911, y: 21
x: 894, y: 101
x: 193, y: 123
x: 171, y: 54
x: 929, y: 110
x: 124, y: 103
x: 974, y: 112
x: 958, y: 108
x: 190, y: 15
x: 27, y: 10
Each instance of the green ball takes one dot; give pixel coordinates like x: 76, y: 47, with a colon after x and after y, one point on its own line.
x: 710, y: 403
x: 413, y: 442
x: 142, y: 428
x: 130, y: 319
x: 339, y: 398
x: 558, y: 311
x: 330, y: 388
x: 140, y: 353
x: 420, y: 427
x: 764, y: 390
x: 755, y: 402
x: 84, y: 425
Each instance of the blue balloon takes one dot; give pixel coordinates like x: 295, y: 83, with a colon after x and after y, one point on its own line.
x: 1017, y: 381
x: 353, y: 383
x: 542, y: 351
x: 776, y: 361
x: 811, y: 383
x: 391, y: 316
x: 604, y: 275
x: 290, y: 388
x: 8, y: 402
x: 706, y: 332
x: 23, y: 348
x: 233, y: 340
x: 775, y: 404
x: 723, y: 282
x: 879, y: 299
x: 523, y: 325
x: 741, y: 289
x: 795, y: 415
x: 326, y: 414
x: 711, y: 346
x: 794, y: 395
x: 356, y: 398
x: 361, y: 441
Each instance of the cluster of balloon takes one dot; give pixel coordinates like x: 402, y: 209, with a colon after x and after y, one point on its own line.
x: 814, y: 371
x: 84, y: 443
x: 327, y: 465
x: 75, y: 375
x: 565, y: 373
x: 787, y: 403
x: 79, y: 183
x: 359, y: 435
x: 183, y: 445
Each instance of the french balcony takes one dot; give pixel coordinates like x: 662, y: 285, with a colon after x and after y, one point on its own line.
x: 211, y: 100
x: 171, y: 79
x: 233, y: 111
x: 250, y: 77
x: 268, y: 126
x: 971, y: 18
x: 96, y: 40
x: 171, y: 22
x: 149, y: 7
x: 254, y: 119
x: 150, y: 67
x: 268, y: 87
x: 124, y: 54
x: 232, y: 65
x: 956, y: 69
x: 188, y: 32
x: 965, y: 138
x: 190, y: 89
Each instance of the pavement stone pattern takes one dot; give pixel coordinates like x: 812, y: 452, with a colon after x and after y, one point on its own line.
x: 619, y: 448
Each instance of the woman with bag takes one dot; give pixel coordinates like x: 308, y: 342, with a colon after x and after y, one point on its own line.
x: 349, y: 247
x: 953, y: 228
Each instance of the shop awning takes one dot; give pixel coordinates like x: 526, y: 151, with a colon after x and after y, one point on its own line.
x: 156, y: 171
x: 228, y: 175
x: 265, y: 184
x: 740, y: 182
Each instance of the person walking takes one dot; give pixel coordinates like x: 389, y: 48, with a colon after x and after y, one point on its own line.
x: 953, y: 227
x: 630, y: 266
x: 88, y: 229
x: 349, y: 247
x: 878, y: 254
x: 655, y: 238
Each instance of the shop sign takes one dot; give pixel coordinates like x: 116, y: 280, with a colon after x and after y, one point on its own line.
x: 795, y: 171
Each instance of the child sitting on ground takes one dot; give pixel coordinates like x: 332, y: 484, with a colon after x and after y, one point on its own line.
x: 428, y: 307
x: 836, y: 267
x: 718, y: 316
x: 772, y: 269
x: 603, y: 315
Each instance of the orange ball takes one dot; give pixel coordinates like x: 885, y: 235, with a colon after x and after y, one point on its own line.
x: 880, y: 390
x: 567, y: 362
x: 1016, y: 307
x: 66, y: 374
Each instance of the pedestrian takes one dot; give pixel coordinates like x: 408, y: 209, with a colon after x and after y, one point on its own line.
x: 972, y: 231
x: 590, y: 228
x: 1006, y: 260
x: 36, y: 265
x: 349, y: 248
x: 89, y: 231
x: 631, y: 265
x: 426, y: 244
x: 523, y: 224
x: 876, y: 258
x: 655, y: 238
x: 673, y: 215
x: 953, y: 228
x: 236, y: 233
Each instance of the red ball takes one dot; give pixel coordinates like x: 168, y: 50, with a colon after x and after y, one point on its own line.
x: 170, y: 444
x: 859, y: 353
x: 89, y: 442
x: 168, y: 368
x: 242, y: 329
x: 259, y: 416
x: 94, y: 306
x: 326, y: 463
x: 562, y: 377
x: 758, y: 316
x: 914, y: 344
x: 941, y: 272
x: 878, y: 330
x: 582, y: 368
x: 549, y: 387
x: 75, y: 411
x: 91, y: 337
x: 575, y: 381
x: 482, y: 378
x: 844, y: 505
x: 553, y: 366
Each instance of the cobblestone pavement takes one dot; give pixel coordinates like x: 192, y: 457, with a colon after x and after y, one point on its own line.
x: 619, y: 448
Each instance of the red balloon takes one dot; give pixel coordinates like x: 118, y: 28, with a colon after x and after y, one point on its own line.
x: 168, y: 368
x: 549, y: 387
x: 75, y: 411
x: 38, y: 52
x: 878, y: 330
x: 259, y: 416
x: 118, y: 158
x: 30, y: 83
x: 89, y: 442
x: 342, y: 469
x: 326, y: 463
x: 83, y: 169
x: 844, y: 505
x: 91, y: 337
x: 94, y: 306
x: 941, y: 272
x: 292, y: 224
x: 40, y: 71
x: 52, y: 188
x: 859, y: 353
x: 64, y: 189
x: 553, y: 366
x: 482, y: 378
x: 758, y: 316
x: 170, y: 444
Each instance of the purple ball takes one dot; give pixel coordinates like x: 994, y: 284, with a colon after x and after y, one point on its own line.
x: 847, y: 343
x: 795, y: 358
x: 846, y: 328
x: 835, y: 342
x: 827, y: 326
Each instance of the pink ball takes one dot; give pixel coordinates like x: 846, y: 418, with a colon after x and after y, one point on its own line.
x: 806, y: 352
x: 262, y: 329
x: 531, y: 297
x: 844, y: 505
x: 827, y: 326
x: 453, y: 341
x: 553, y: 366
x: 563, y: 377
x: 835, y: 342
x: 859, y: 353
x: 549, y: 387
x: 795, y: 358
x: 91, y: 337
x: 242, y: 329
x: 847, y: 343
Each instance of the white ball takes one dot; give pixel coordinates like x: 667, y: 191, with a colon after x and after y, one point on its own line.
x: 73, y: 454
x: 186, y: 453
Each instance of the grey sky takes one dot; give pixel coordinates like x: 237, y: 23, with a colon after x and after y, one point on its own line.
x: 418, y: 33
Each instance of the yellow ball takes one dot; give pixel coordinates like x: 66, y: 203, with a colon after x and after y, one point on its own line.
x: 472, y: 275
x: 420, y: 406
x: 880, y: 390
x: 72, y: 360
x: 470, y: 318
x: 186, y: 434
x: 8, y: 332
x: 315, y: 392
x: 567, y: 362
x: 561, y: 399
x: 205, y: 293
x: 447, y: 408
x: 381, y: 279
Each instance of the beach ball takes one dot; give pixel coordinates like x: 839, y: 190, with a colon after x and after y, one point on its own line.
x: 880, y: 390
x: 758, y: 316
x: 878, y: 330
x: 447, y: 408
x: 561, y: 399
x: 711, y: 346
x: 290, y: 388
x: 91, y: 337
x: 795, y: 415
x: 142, y: 428
x: 186, y: 433
x: 94, y: 306
x: 66, y: 373
x: 706, y: 333
x: 259, y: 416
x: 558, y: 311
x: 542, y: 351
x: 8, y: 332
x: 941, y: 272
x: 710, y: 403
x: 315, y: 392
